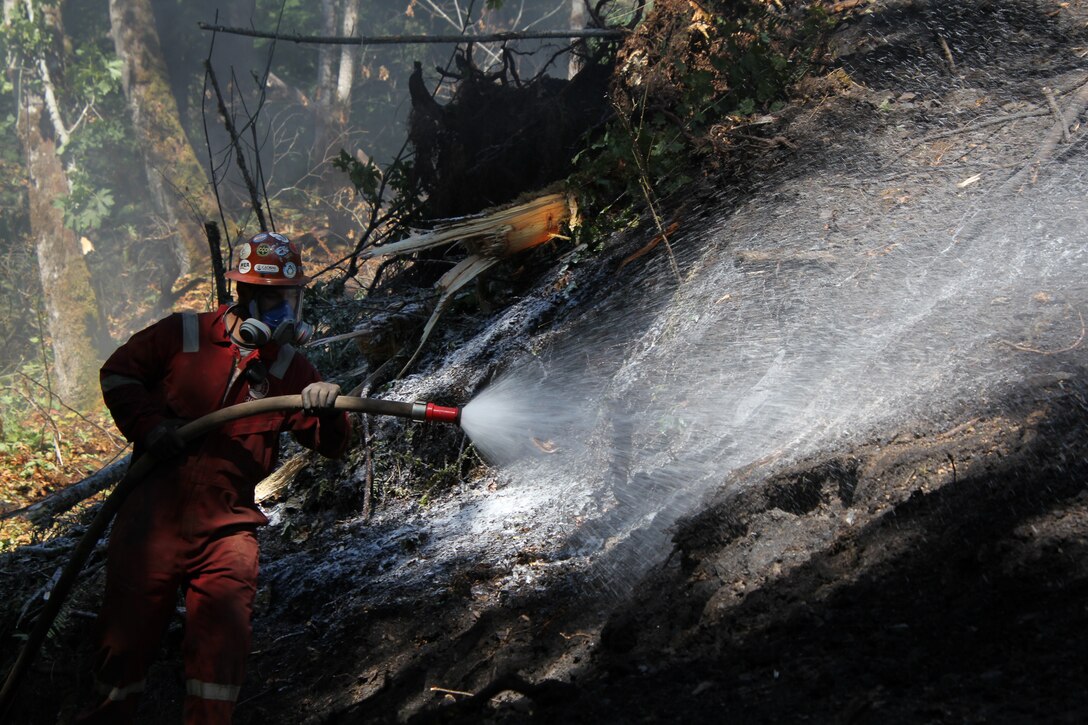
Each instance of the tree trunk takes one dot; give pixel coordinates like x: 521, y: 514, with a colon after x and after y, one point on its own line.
x: 578, y: 45
x: 346, y: 71
x: 177, y: 180
x: 69, y: 299
x: 325, y: 93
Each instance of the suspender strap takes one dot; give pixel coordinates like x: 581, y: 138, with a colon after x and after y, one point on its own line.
x: 190, y: 332
x: 283, y: 361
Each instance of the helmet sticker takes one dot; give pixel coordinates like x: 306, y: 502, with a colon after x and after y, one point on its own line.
x: 289, y: 270
x: 279, y: 238
x: 263, y: 250
x: 260, y: 237
x: 244, y: 266
x: 244, y: 250
x: 266, y: 268
x: 283, y: 250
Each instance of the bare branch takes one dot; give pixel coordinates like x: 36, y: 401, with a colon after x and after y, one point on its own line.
x: 240, y: 157
x: 606, y: 33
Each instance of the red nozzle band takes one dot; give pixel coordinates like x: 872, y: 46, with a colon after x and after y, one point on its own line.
x: 443, y: 413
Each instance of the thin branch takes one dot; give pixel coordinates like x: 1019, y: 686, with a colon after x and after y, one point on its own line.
x: 1058, y: 115
x: 606, y: 33
x: 208, y: 140
x: 48, y: 421
x: 85, y: 419
x: 240, y: 157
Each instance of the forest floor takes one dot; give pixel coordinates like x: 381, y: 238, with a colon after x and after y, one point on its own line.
x: 934, y: 573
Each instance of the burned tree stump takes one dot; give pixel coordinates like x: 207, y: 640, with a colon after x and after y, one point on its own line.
x: 496, y: 139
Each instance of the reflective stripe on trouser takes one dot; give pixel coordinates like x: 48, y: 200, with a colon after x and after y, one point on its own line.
x: 212, y: 690
x: 146, y: 567
x: 117, y: 694
x: 219, y: 603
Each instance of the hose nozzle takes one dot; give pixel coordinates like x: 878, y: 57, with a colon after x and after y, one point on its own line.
x: 435, y: 413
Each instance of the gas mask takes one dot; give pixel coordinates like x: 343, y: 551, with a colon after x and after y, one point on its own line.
x: 281, y: 324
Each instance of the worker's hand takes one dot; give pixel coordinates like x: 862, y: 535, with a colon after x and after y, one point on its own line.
x: 319, y: 396
x: 164, y: 441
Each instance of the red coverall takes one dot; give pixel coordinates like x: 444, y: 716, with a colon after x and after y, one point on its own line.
x: 192, y: 522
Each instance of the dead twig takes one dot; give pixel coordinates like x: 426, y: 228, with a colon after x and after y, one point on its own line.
x: 947, y: 53
x: 974, y: 126
x: 368, y: 461
x: 649, y: 246
x: 1050, y: 142
x: 545, y: 691
x: 1050, y: 101
x: 448, y: 691
x: 1038, y: 351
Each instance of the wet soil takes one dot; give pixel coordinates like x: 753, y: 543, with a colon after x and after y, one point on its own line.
x: 936, y: 572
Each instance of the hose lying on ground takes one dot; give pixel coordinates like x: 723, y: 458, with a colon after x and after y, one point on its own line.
x: 144, y: 465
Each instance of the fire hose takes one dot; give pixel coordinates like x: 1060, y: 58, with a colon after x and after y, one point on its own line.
x: 145, y: 464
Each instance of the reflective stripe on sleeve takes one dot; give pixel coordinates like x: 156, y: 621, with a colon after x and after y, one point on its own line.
x: 111, y: 382
x: 212, y: 690
x: 190, y: 332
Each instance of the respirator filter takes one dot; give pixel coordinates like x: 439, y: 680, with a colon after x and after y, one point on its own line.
x: 281, y: 324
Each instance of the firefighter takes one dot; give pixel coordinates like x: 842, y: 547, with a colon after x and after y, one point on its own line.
x: 191, y: 524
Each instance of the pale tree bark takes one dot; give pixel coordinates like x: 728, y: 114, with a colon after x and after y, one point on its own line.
x: 325, y: 93
x: 335, y: 76
x: 346, y: 72
x: 68, y: 296
x: 176, y: 178
x: 578, y: 45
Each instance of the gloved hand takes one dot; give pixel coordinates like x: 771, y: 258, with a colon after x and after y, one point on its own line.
x: 319, y: 397
x: 164, y: 441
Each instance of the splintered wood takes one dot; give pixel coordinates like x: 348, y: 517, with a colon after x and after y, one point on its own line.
x: 494, y: 234
x: 489, y: 237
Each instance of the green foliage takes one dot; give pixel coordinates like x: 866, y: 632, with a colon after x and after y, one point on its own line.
x: 13, y: 210
x: 95, y: 177
x: 18, y: 428
x: 747, y: 62
x: 23, y: 37
x: 86, y: 208
x: 93, y: 74
x: 367, y: 179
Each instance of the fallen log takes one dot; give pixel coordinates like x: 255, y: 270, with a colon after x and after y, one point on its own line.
x: 43, y: 512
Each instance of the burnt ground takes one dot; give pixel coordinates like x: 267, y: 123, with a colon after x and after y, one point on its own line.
x: 934, y: 572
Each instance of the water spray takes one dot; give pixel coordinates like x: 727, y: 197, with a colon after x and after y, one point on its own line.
x: 417, y: 411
